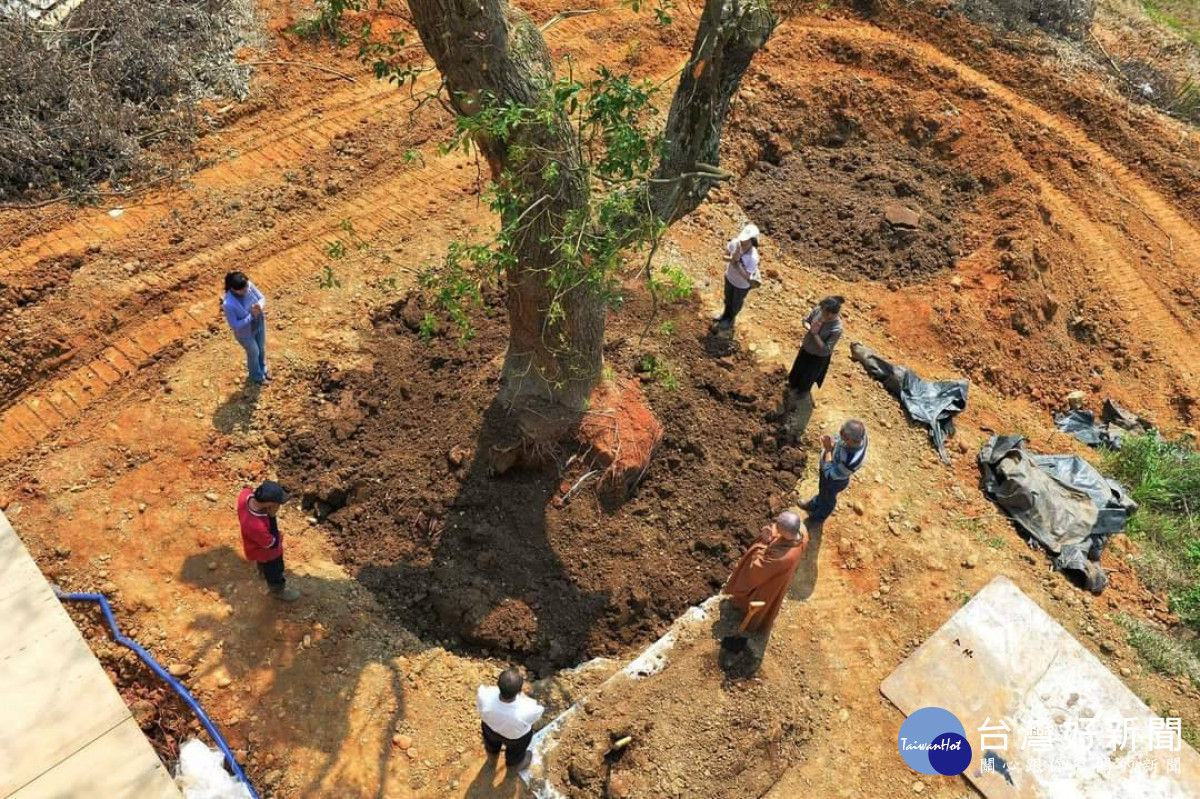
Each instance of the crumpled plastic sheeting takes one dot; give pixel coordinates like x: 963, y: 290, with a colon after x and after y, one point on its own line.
x: 1114, y: 423
x: 1060, y: 500
x: 201, y: 774
x: 1082, y: 424
x: 932, y: 403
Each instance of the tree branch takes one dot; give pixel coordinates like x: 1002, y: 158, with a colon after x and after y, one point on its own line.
x: 730, y: 33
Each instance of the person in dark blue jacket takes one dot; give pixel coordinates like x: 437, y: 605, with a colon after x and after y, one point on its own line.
x: 246, y: 311
x: 839, y: 460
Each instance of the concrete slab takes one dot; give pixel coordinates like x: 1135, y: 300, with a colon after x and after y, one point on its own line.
x: 1001, y: 659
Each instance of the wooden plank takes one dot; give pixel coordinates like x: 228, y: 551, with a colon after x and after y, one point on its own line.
x: 58, y: 709
x: 54, y: 700
x: 18, y: 572
x: 118, y: 765
x: 1026, y: 671
x: 26, y: 615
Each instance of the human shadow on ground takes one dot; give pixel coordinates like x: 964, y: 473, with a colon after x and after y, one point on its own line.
x: 738, y: 660
x: 490, y: 574
x: 495, y: 780
x: 286, y: 656
x: 804, y: 581
x: 237, y: 411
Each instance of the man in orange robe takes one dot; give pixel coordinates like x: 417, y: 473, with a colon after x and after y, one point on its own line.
x: 764, y: 572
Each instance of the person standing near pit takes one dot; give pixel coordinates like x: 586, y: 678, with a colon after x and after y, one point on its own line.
x: 823, y: 329
x: 507, y: 717
x: 245, y: 309
x: 765, y: 570
x: 741, y: 274
x: 261, y: 539
x: 839, y: 461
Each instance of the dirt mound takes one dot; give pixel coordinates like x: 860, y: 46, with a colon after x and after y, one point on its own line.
x: 531, y: 564
x: 879, y: 210
x: 694, y: 732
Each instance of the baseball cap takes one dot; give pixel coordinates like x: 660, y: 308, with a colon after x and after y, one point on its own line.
x: 270, y: 491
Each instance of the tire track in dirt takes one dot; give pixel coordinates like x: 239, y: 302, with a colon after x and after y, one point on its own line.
x: 1157, y: 314
x: 1135, y: 289
x: 404, y: 199
x: 261, y: 151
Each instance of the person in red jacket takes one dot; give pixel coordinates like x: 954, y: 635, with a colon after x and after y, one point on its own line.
x: 261, y: 539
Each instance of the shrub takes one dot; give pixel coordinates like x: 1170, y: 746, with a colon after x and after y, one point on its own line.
x: 78, y: 103
x: 1164, y: 478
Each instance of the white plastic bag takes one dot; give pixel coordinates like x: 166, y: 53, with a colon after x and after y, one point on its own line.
x: 201, y: 774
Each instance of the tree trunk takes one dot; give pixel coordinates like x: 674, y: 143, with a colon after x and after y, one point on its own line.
x: 730, y: 33
x: 489, y: 49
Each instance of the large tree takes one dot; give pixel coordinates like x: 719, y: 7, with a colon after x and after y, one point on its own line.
x: 556, y: 247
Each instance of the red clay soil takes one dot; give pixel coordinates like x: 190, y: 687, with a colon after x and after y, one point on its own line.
x: 619, y: 436
x: 1084, y: 91
x: 163, y: 716
x: 501, y: 565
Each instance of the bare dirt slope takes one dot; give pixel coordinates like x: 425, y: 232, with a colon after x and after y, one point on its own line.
x: 126, y: 431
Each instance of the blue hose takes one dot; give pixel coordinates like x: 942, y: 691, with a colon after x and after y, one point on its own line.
x: 149, y: 660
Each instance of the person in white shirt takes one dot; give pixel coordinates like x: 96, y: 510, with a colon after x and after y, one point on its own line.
x: 741, y: 272
x: 507, y: 718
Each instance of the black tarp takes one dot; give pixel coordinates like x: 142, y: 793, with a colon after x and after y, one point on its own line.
x: 932, y: 403
x: 1059, y: 500
x: 1114, y: 423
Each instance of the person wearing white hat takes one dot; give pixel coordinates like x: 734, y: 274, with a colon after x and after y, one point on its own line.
x: 741, y: 273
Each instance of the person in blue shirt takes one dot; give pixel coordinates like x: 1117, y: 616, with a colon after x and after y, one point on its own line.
x: 246, y: 311
x: 839, y: 460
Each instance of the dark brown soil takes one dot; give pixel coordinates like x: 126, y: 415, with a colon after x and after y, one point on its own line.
x: 831, y: 205
x: 500, y: 565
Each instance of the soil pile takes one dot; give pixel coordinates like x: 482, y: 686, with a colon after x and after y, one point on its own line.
x: 878, y: 210
x: 502, y: 565
x: 694, y: 732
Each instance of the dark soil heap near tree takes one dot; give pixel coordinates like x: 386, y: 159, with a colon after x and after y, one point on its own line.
x: 879, y: 210
x: 501, y: 565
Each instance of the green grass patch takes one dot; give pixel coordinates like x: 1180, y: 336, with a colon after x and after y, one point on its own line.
x: 1164, y: 478
x: 1160, y: 651
x: 1181, y: 16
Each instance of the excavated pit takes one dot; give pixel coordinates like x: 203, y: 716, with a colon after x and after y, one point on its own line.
x: 862, y: 208
x: 500, y: 565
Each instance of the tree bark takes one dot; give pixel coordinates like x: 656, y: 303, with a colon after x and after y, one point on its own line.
x: 489, y: 49
x: 729, y: 35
